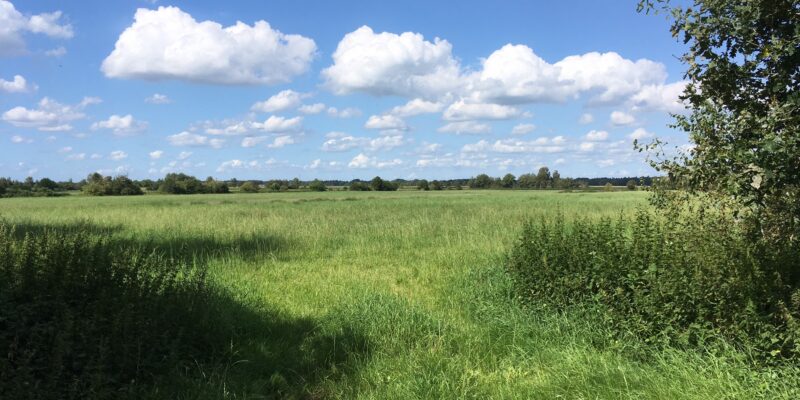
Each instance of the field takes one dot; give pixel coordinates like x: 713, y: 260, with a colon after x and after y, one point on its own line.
x: 387, y: 295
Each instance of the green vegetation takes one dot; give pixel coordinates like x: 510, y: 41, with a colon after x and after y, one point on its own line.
x: 186, y: 184
x: 31, y: 188
x: 99, y: 185
x: 352, y: 295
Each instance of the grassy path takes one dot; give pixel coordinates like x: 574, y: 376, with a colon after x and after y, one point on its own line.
x: 387, y: 296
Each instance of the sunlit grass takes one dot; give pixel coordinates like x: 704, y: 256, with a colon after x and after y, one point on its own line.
x: 410, y: 287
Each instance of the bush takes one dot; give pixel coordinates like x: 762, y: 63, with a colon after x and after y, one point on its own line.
x: 670, y: 281
x: 84, y: 319
x: 358, y: 186
x: 99, y: 185
x: 249, y: 187
x: 317, y: 186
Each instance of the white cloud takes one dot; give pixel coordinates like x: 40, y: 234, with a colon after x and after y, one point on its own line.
x: 364, y: 161
x: 390, y: 64
x: 65, y: 150
x: 184, y: 155
x: 606, y: 163
x: 155, y: 155
x: 586, y: 118
x: 281, y: 141
x: 19, y: 139
x: 386, y: 122
x: 186, y: 138
x: 275, y: 124
x: 14, y: 24
x: 661, y: 97
x: 339, y: 141
x: 76, y: 157
x: 50, y: 116
x: 586, y: 146
x: 315, y: 108
x: 620, y: 118
x: 227, y: 165
x: 284, y: 100
x: 640, y: 133
x: 615, y: 77
x: 416, y: 107
x: 57, y: 52
x: 540, y: 145
x: 523, y: 129
x: 17, y: 85
x: 158, y: 98
x: 118, y: 155
x: 348, y: 112
x: 465, y: 127
x: 463, y: 111
x: 596, y: 136
x: 121, y: 125
x: 95, y: 156
x: 253, y: 141
x: 168, y: 43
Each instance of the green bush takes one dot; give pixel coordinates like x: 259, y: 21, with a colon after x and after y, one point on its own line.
x: 671, y: 281
x: 81, y: 319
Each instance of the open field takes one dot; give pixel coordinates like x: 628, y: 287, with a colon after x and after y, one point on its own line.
x: 387, y: 295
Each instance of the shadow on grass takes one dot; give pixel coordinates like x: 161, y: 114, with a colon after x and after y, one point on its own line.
x: 187, y: 249
x: 83, y: 318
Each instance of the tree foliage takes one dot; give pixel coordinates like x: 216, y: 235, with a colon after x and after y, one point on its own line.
x: 743, y: 72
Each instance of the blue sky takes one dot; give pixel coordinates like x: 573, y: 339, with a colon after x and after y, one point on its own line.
x: 261, y: 90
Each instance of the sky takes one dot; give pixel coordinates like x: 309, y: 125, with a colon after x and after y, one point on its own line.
x: 333, y: 90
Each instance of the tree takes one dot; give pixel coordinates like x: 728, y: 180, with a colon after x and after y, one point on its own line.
x: 436, y: 185
x: 608, y: 187
x: 743, y: 72
x: 543, y: 178
x: 631, y: 185
x: 508, y: 181
x: 317, y: 186
x: 423, y: 185
x: 294, y: 184
x: 249, y: 187
x: 358, y: 186
x: 378, y: 184
x: 481, y: 181
x: 556, y: 178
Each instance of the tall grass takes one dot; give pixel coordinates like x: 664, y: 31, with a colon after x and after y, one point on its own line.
x: 388, y: 295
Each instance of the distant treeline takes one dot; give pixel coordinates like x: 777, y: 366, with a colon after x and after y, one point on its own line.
x: 178, y: 183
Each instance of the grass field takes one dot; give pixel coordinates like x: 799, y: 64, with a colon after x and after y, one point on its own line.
x: 388, y: 295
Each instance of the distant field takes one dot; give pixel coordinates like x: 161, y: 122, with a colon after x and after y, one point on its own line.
x: 410, y: 283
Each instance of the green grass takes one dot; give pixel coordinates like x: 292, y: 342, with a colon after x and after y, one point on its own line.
x: 393, y: 295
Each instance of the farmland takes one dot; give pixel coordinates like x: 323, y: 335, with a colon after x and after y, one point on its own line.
x: 387, y: 295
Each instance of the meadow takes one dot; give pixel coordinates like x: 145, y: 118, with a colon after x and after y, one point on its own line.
x: 388, y: 295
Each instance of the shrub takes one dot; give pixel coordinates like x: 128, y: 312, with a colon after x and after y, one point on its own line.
x: 249, y: 187
x: 85, y: 319
x: 379, y: 185
x: 99, y: 185
x: 358, y: 186
x: 317, y: 186
x: 670, y: 281
x: 631, y: 185
x: 423, y: 185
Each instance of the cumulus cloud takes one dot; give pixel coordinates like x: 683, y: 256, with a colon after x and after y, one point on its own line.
x: 310, y: 109
x: 596, y: 136
x: 13, y: 24
x: 155, y: 155
x: 391, y: 64
x: 158, y: 98
x: 640, y: 133
x: 364, y: 161
x: 284, y: 100
x: 540, y: 145
x: 523, y: 129
x: 253, y: 141
x: 49, y: 116
x: 416, y: 107
x: 17, y: 139
x: 17, y: 85
x: 121, y: 125
x: 660, y: 98
x: 386, y: 122
x: 186, y: 138
x: 620, y: 118
x: 57, y: 52
x: 184, y: 155
x: 466, y: 127
x: 348, y: 112
x: 586, y: 118
x: 463, y: 111
x: 281, y: 141
x: 168, y: 43
x: 117, y: 155
x: 339, y: 141
x: 275, y: 124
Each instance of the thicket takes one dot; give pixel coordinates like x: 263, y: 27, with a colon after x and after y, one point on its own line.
x: 670, y: 281
x: 186, y: 184
x: 99, y: 185
x: 79, y: 318
x: 30, y: 188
